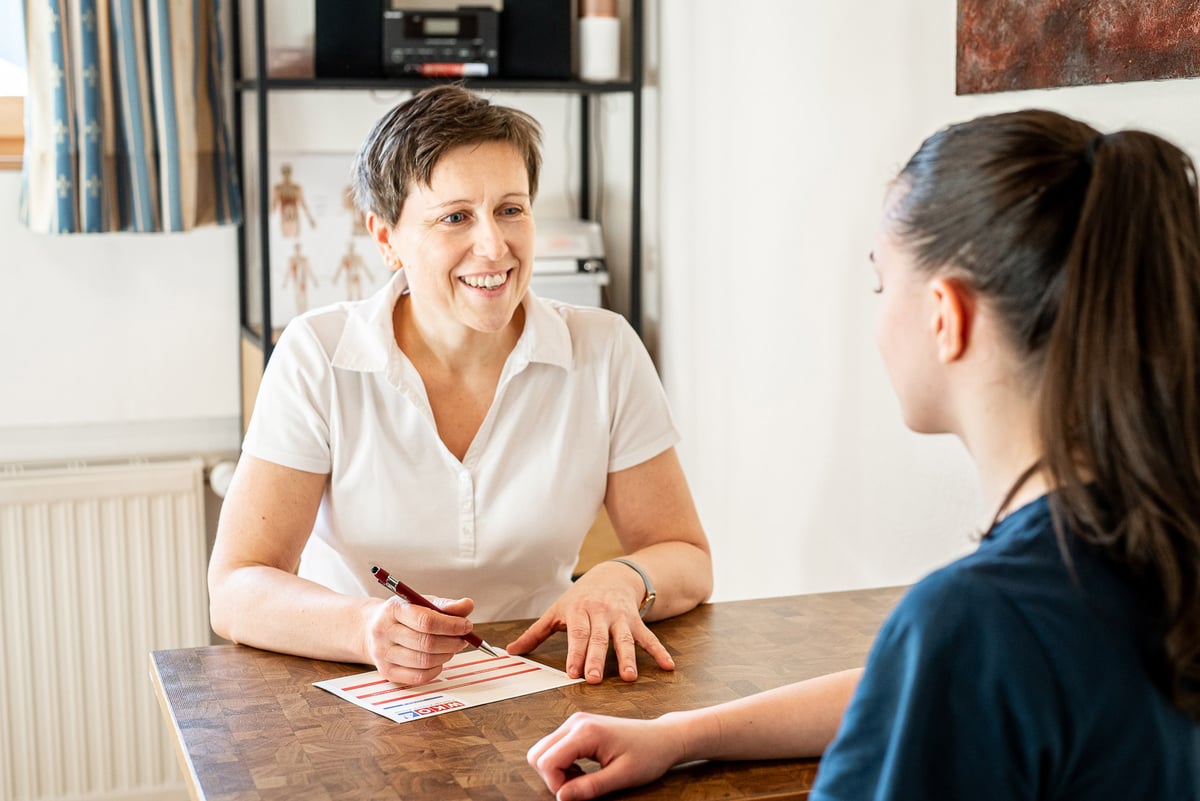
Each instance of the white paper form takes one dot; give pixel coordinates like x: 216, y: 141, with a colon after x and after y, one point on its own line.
x: 471, y: 678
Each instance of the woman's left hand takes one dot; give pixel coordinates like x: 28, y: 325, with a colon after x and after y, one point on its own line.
x: 600, y: 608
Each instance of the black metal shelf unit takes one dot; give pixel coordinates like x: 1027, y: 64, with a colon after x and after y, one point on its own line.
x: 263, y: 336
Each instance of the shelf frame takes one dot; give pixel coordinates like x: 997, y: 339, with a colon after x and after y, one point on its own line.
x: 260, y: 87
x: 479, y: 84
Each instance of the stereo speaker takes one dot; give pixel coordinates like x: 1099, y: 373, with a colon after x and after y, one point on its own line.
x: 535, y: 39
x: 349, y: 39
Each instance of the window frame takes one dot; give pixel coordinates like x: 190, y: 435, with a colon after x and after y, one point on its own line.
x: 12, y: 131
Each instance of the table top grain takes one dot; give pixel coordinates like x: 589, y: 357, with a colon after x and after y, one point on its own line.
x: 250, y: 725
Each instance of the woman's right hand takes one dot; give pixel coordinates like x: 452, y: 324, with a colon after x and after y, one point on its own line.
x: 630, y: 753
x: 409, y: 644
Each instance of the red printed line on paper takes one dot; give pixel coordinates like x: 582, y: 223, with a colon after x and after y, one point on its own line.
x: 368, y: 684
x: 377, y: 682
x: 458, y: 673
x: 439, y: 680
x: 456, y: 686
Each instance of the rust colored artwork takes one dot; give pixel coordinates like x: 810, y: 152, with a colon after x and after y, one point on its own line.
x: 1005, y: 45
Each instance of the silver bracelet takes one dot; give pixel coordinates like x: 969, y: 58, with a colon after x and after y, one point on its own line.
x: 648, y: 600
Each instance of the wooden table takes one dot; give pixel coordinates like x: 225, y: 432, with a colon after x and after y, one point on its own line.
x: 250, y: 725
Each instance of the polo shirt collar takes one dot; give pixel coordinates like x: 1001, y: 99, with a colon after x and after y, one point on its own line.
x: 368, y: 339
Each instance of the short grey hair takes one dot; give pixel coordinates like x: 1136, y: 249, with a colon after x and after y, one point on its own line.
x: 406, y: 144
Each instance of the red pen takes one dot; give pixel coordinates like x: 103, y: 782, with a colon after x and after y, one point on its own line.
x: 404, y: 591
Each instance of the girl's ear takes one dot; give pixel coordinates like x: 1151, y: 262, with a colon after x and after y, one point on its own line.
x: 953, y: 318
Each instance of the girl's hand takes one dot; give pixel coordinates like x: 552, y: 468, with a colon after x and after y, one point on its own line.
x: 630, y: 753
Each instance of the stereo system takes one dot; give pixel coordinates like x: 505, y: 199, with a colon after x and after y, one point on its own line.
x: 529, y: 39
x: 465, y: 42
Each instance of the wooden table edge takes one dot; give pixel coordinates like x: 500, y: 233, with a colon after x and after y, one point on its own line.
x: 185, y: 762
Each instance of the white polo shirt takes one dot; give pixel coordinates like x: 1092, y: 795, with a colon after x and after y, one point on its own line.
x: 578, y: 398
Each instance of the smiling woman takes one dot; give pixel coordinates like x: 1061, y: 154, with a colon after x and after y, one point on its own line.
x: 468, y: 245
x: 459, y: 427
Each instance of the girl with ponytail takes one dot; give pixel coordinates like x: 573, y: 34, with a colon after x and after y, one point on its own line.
x: 1040, y: 299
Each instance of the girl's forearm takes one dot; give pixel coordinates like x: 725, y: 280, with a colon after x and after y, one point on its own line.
x: 793, y: 721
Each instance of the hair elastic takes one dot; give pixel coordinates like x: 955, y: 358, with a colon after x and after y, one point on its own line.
x: 1089, y: 151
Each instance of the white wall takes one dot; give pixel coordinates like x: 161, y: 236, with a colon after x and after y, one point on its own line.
x: 781, y: 125
x: 116, y: 345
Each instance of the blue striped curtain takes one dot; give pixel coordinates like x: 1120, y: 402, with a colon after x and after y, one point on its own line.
x: 127, y: 124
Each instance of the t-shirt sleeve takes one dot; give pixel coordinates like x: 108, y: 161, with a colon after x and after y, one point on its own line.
x: 641, y: 425
x: 958, y: 700
x: 290, y: 422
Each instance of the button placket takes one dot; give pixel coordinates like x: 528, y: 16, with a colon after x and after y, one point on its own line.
x: 466, y: 513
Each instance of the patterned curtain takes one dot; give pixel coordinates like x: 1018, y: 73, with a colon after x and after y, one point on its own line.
x: 127, y: 117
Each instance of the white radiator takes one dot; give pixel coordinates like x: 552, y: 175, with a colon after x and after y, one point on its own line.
x: 98, y: 566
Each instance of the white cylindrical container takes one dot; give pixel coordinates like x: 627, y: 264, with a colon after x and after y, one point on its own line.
x: 599, y: 41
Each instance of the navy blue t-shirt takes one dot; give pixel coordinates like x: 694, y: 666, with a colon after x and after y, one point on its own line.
x: 1002, y: 677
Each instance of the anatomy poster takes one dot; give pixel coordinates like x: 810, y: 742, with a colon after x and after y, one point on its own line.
x: 320, y: 250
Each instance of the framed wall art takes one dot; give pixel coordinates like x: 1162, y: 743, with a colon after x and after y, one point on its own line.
x: 1005, y: 45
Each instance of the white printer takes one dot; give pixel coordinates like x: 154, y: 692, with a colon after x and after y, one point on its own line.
x: 568, y: 262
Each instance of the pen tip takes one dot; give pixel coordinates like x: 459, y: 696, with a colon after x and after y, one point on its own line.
x: 374, y: 568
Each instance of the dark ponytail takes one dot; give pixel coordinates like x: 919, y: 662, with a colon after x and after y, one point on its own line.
x: 1088, y: 247
x: 1121, y: 385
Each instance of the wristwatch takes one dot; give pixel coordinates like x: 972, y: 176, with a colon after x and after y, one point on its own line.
x: 648, y: 600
